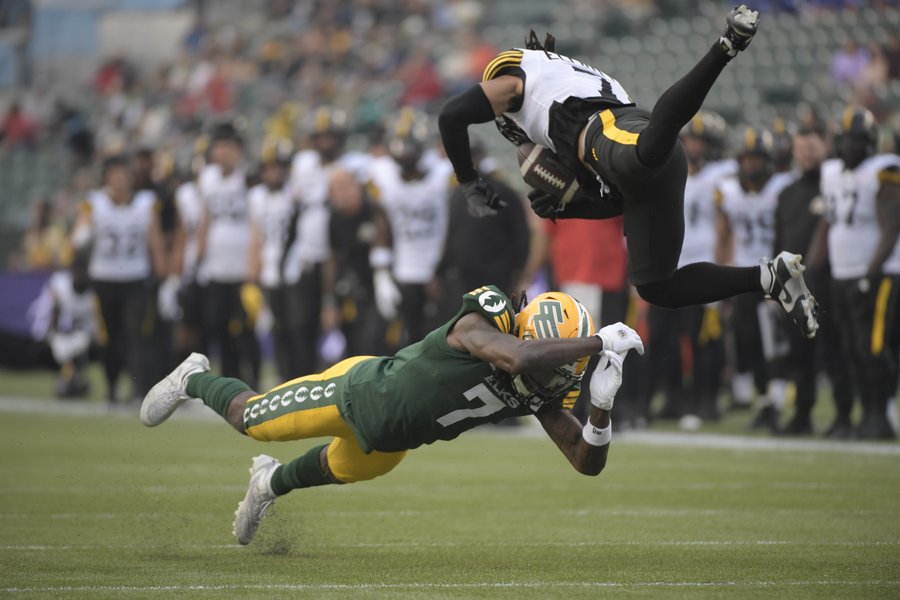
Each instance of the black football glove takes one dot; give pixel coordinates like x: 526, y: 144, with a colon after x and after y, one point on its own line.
x: 544, y: 204
x: 481, y: 199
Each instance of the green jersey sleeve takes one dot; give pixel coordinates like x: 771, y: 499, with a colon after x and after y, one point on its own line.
x: 491, y: 303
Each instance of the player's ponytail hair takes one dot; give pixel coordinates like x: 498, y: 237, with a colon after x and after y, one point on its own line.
x: 532, y: 42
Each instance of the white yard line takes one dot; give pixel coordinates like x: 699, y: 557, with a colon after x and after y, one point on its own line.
x: 467, y: 544
x: 194, y: 410
x: 447, y: 586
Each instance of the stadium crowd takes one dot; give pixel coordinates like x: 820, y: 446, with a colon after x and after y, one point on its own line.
x: 285, y: 196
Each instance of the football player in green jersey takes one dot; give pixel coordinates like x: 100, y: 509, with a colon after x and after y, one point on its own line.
x: 486, y: 364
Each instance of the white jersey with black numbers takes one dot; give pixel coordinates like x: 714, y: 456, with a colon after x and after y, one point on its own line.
x: 190, y: 212
x: 418, y: 214
x: 308, y: 184
x: 851, y: 209
x: 121, y: 236
x: 700, y: 214
x: 270, y: 212
x: 550, y: 79
x: 228, y: 235
x: 752, y: 217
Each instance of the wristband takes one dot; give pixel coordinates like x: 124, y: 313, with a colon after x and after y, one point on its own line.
x: 381, y: 257
x: 595, y: 436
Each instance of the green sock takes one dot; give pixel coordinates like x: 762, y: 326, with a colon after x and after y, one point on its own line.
x: 216, y: 392
x: 300, y: 473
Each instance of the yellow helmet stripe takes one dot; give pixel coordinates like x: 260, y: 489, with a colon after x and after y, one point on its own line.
x: 510, y: 58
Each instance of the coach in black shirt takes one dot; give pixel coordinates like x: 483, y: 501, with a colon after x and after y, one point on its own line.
x: 800, y: 207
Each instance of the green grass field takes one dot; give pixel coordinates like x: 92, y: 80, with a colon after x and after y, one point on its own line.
x: 97, y: 506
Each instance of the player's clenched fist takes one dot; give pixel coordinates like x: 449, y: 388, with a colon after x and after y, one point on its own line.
x: 620, y: 338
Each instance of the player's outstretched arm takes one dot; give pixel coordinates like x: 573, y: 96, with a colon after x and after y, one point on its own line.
x: 479, y: 104
x: 475, y: 335
x: 587, y: 447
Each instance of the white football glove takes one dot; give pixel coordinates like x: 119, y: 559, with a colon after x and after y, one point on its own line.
x: 387, y: 295
x: 67, y: 346
x: 606, y: 379
x: 167, y: 298
x: 620, y: 338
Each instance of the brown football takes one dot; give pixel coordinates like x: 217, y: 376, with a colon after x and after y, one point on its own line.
x: 542, y: 169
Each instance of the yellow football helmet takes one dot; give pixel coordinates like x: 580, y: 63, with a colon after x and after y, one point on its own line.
x: 552, y: 315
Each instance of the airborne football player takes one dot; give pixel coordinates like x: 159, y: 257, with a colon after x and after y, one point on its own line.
x: 626, y: 160
x: 484, y: 365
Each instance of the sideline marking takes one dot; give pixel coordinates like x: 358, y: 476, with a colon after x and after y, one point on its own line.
x: 195, y: 411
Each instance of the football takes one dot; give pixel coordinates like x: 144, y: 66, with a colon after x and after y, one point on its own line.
x: 542, y: 169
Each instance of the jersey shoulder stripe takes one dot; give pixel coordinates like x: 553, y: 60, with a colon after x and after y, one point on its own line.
x: 504, y: 60
x: 890, y: 175
x: 491, y: 303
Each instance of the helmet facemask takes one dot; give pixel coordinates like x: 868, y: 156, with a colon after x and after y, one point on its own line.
x: 551, y: 315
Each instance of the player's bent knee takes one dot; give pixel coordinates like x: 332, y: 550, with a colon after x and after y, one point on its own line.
x: 657, y: 293
x: 349, y: 465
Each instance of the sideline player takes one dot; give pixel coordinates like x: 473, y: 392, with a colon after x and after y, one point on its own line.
x: 484, y: 365
x: 414, y: 196
x: 122, y: 229
x: 745, y: 226
x: 628, y: 160
x: 860, y: 235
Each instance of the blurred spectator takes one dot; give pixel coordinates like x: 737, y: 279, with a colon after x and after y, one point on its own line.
x: 19, y: 130
x: 849, y: 63
x: 46, y: 244
x: 892, y: 55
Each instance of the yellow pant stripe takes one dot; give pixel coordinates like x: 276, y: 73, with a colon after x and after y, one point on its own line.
x: 881, y: 302
x: 323, y: 421
x: 336, y: 370
x: 711, y: 327
x: 614, y: 133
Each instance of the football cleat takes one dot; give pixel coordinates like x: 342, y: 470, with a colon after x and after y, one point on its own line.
x: 788, y: 288
x: 257, y: 501
x: 170, y: 393
x: 741, y: 27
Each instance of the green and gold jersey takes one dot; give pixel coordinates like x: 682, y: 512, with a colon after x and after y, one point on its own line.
x: 429, y: 391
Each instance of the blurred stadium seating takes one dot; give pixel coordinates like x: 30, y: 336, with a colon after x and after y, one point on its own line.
x: 646, y: 45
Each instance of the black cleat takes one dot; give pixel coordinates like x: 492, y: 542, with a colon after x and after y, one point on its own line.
x: 742, y: 24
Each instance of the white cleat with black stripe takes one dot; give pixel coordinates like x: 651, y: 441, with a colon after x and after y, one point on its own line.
x: 788, y: 288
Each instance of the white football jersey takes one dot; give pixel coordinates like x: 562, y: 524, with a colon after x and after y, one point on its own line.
x: 228, y: 236
x: 121, y: 246
x: 752, y: 217
x: 551, y: 79
x: 270, y: 212
x: 418, y: 214
x: 190, y: 213
x: 700, y: 213
x: 308, y: 185
x: 77, y: 312
x: 850, y: 199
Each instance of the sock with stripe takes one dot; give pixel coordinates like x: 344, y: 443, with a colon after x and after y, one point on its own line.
x: 215, y: 392
x: 302, y: 472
